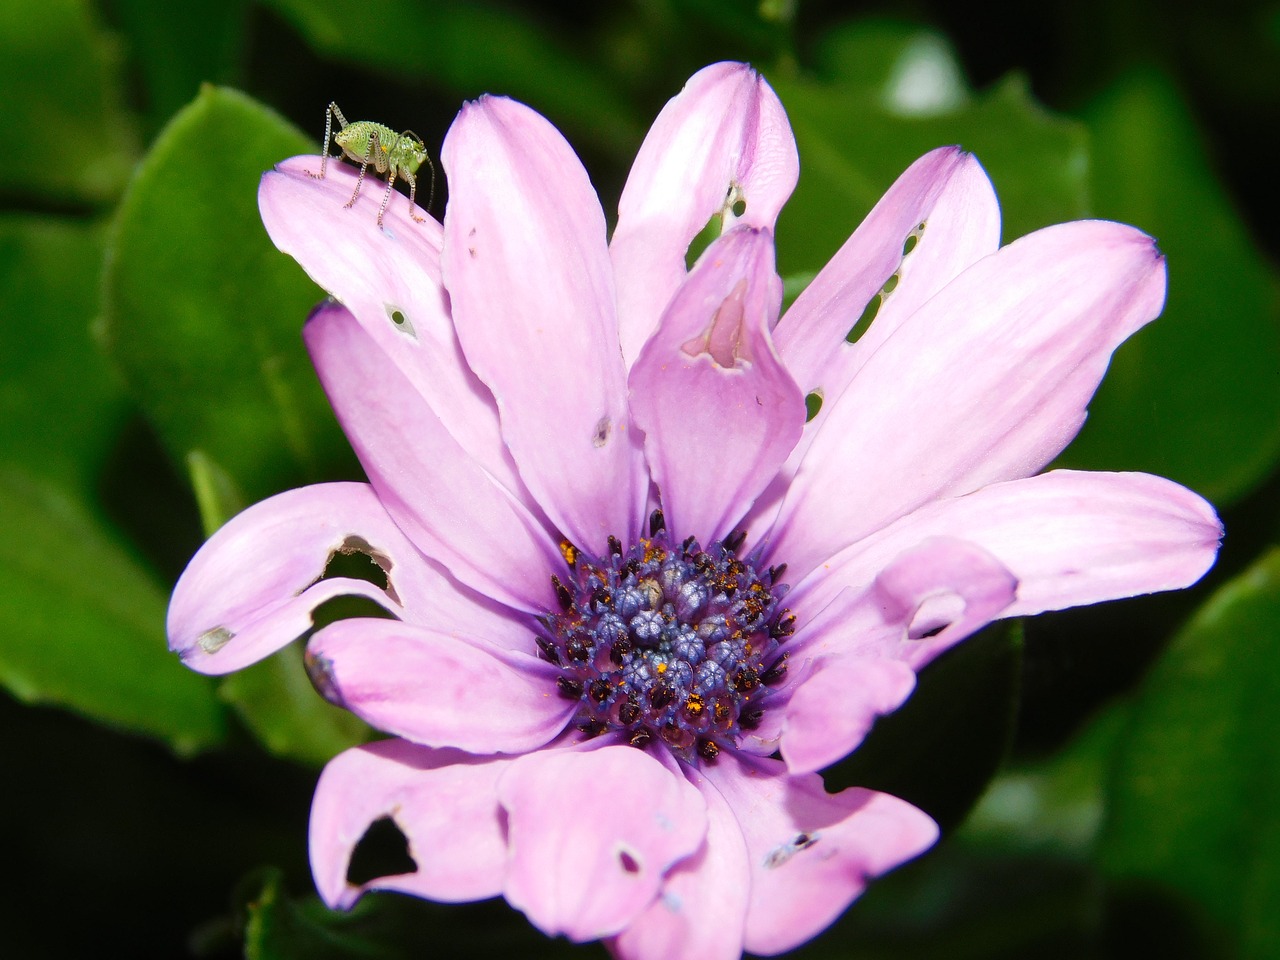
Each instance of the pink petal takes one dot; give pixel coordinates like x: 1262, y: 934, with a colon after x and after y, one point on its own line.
x: 442, y: 499
x: 527, y: 268
x: 1070, y: 538
x: 811, y: 852
x: 437, y: 689
x: 719, y: 411
x: 987, y: 381
x: 443, y: 801
x: 251, y: 588
x: 832, y: 711
x: 724, y: 137
x: 946, y: 189
x: 701, y: 912
x: 591, y: 834
x: 389, y: 278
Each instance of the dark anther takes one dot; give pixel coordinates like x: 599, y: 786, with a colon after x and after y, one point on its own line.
x: 735, y: 568
x: 569, y: 689
x: 621, y: 647
x: 661, y: 696
x: 751, y: 719
x: 593, y: 728
x: 657, y: 523
x: 688, y: 545
x: 579, y: 650
x: 708, y: 749
x: 563, y: 593
x: 641, y: 737
x: 602, y: 597
x: 569, y: 552
x: 694, y: 706
x: 722, y: 712
x: 776, y: 673
x: 702, y: 562
x: 785, y: 626
x: 734, y: 540
x: 775, y: 573
x: 549, y: 651
x: 629, y: 712
x: 630, y: 568
x: 599, y: 690
x: 745, y: 678
x: 615, y: 546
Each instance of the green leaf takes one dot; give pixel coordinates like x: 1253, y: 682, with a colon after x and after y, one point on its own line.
x: 941, y: 749
x: 1193, y: 804
x: 857, y: 133
x: 69, y: 137
x: 202, y: 314
x: 469, y: 48
x: 278, y: 704
x: 84, y: 626
x: 60, y: 407
x: 178, y: 46
x: 1195, y: 396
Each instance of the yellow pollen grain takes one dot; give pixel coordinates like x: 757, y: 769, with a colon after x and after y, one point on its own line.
x: 569, y: 552
x: 662, y: 668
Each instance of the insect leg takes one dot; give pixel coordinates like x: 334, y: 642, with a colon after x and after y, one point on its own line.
x: 413, y: 189
x: 368, y: 155
x: 386, y: 197
x: 328, y: 132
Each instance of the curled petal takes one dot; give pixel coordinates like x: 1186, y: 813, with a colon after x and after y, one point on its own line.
x: 811, y: 853
x: 1069, y: 537
x: 444, y: 501
x: 251, y: 588
x: 528, y: 274
x: 389, y: 278
x: 719, y: 411
x: 724, y: 138
x: 444, y: 802
x: 437, y: 689
x: 987, y: 381
x: 701, y: 912
x: 591, y: 834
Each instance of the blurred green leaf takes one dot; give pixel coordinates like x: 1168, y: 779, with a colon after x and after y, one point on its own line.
x: 179, y: 46
x: 470, y: 48
x: 1195, y: 396
x: 84, y: 626
x: 278, y: 704
x: 1193, y: 804
x: 897, y: 93
x: 942, y: 747
x: 69, y: 137
x: 203, y: 315
x: 60, y: 407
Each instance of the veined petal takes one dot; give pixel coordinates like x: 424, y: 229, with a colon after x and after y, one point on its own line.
x: 528, y: 274
x: 719, y: 411
x: 591, y: 834
x: 811, y: 853
x: 437, y: 689
x: 445, y: 803
x: 389, y: 278
x: 701, y: 912
x: 251, y: 588
x: 987, y: 381
x: 724, y: 138
x: 1069, y: 537
x: 444, y: 501
x: 938, y: 219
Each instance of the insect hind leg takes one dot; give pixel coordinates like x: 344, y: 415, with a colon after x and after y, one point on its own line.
x: 368, y: 155
x: 330, y: 112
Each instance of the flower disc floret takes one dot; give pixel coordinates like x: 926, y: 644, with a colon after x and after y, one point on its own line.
x: 669, y: 642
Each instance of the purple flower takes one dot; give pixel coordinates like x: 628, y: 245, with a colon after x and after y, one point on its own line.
x: 642, y: 537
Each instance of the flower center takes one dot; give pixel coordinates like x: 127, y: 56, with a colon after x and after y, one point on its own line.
x: 669, y: 642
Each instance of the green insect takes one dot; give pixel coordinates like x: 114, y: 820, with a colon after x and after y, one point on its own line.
x: 392, y: 154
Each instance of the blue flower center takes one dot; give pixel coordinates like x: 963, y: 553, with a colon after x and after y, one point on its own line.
x: 670, y: 643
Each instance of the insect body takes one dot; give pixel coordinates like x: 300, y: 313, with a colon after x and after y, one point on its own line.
x: 392, y: 154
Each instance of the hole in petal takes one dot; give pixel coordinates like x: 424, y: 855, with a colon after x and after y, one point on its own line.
x: 400, y: 321
x: 628, y: 861
x: 812, y: 404
x: 934, y: 615
x: 864, y: 321
x: 601, y: 435
x: 710, y: 230
x: 383, y: 851
x: 739, y: 207
x: 357, y: 559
